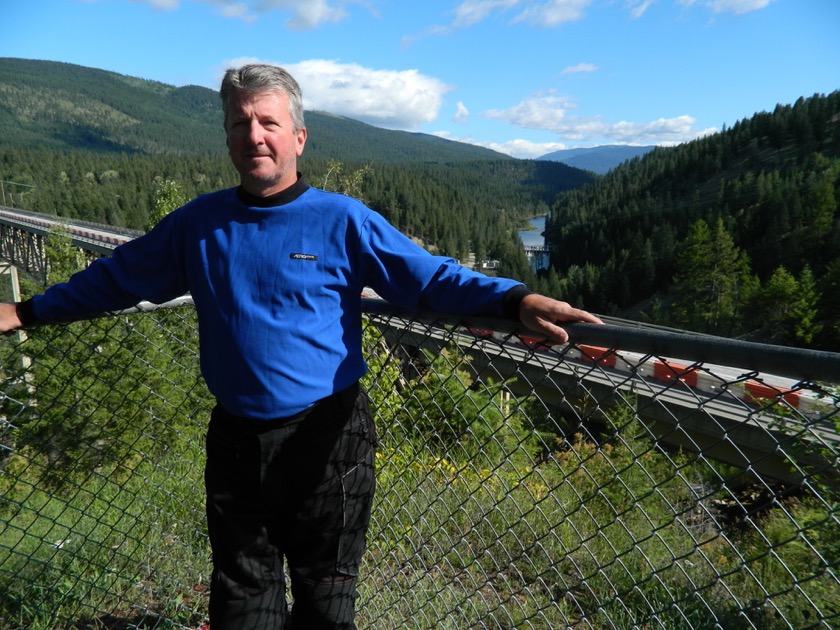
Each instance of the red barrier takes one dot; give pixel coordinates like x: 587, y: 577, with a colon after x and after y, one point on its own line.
x: 759, y: 393
x: 670, y: 372
x: 598, y: 356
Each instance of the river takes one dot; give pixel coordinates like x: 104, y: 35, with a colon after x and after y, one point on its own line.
x: 533, y: 237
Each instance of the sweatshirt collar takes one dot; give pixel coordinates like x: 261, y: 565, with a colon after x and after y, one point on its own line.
x: 283, y: 197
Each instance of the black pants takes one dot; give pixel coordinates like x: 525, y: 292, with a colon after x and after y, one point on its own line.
x: 299, y: 488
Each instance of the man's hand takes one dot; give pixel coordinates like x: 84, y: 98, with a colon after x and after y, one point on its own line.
x: 543, y: 314
x: 9, y: 319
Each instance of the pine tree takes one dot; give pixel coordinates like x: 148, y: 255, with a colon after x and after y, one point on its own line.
x: 787, y: 308
x: 805, y: 310
x: 774, y: 303
x: 713, y: 280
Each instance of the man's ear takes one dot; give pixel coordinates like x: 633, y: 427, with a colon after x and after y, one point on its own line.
x: 301, y: 141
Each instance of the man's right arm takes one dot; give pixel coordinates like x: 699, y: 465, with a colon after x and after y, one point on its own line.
x: 9, y: 319
x: 146, y: 268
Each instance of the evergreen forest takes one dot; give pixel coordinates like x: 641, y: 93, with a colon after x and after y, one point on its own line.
x: 735, y: 234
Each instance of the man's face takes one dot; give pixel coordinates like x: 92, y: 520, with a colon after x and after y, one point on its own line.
x: 262, y: 141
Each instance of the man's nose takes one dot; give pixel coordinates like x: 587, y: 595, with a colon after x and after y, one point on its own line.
x: 255, y: 134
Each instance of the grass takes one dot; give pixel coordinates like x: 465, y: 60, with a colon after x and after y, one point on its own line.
x: 618, y: 537
x: 99, y: 550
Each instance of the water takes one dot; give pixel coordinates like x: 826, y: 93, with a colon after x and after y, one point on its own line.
x: 534, y: 238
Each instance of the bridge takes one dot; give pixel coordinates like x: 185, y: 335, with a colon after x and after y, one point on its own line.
x: 538, y: 257
x: 22, y: 236
x: 634, y: 477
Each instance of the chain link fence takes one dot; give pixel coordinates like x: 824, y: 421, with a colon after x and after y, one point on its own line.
x: 630, y: 479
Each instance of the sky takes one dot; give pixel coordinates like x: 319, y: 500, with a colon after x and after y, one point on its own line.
x: 524, y: 77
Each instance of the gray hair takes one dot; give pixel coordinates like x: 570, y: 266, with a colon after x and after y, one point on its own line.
x: 257, y: 78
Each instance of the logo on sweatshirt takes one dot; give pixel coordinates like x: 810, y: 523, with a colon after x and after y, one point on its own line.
x: 299, y: 256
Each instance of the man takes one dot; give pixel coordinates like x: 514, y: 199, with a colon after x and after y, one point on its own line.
x: 276, y: 270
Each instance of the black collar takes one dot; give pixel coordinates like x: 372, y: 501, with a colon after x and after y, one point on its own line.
x: 285, y: 196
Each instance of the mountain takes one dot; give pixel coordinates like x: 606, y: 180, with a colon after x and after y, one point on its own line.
x: 599, y: 159
x: 54, y: 105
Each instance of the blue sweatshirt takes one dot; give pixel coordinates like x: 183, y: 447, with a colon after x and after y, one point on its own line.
x: 277, y: 290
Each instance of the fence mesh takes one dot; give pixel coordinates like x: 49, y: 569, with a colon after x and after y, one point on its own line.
x: 519, y: 485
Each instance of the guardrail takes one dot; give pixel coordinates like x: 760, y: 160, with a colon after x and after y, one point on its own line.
x: 632, y: 478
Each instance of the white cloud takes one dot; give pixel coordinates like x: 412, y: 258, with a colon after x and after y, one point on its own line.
x: 663, y: 131
x: 462, y: 114
x: 473, y: 11
x: 396, y: 99
x: 738, y: 7
x: 309, y: 14
x: 553, y: 12
x: 522, y: 149
x: 549, y: 112
x: 163, y: 5
x: 544, y: 13
x: 638, y: 7
x: 237, y: 10
x: 581, y: 67
x: 306, y: 14
x: 303, y: 14
x: 525, y: 149
x: 543, y: 111
x: 393, y: 99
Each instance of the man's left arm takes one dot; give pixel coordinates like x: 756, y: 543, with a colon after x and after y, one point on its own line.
x: 407, y: 275
x: 473, y: 293
x: 546, y: 315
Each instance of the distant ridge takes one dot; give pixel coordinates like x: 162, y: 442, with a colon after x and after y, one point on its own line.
x: 56, y: 105
x: 600, y: 159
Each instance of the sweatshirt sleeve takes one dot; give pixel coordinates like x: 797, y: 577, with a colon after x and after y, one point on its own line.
x: 406, y: 275
x: 146, y: 268
x: 456, y: 289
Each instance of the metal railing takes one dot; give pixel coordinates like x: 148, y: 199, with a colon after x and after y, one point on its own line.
x: 630, y: 479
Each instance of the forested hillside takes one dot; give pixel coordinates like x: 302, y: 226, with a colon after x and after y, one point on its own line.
x: 94, y: 145
x: 56, y: 105
x: 734, y: 234
x: 67, y: 107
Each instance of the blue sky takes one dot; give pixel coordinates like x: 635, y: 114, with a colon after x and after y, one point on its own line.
x: 525, y: 77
